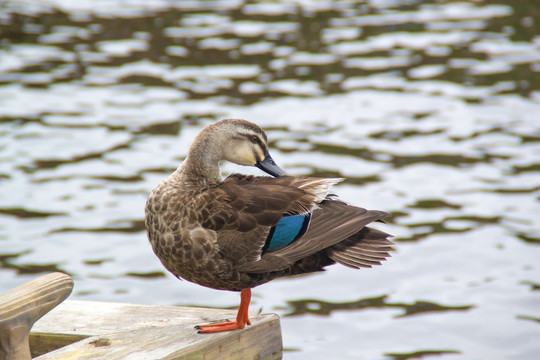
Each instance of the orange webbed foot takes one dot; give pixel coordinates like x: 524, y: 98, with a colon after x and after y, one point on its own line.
x: 220, y: 326
x: 241, y: 318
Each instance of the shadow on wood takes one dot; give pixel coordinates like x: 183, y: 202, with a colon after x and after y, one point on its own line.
x: 21, y: 307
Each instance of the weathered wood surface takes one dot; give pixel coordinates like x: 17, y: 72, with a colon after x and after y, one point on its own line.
x: 21, y: 307
x: 127, y: 331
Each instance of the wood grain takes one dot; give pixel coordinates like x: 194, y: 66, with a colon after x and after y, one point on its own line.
x: 118, y: 331
x: 21, y: 307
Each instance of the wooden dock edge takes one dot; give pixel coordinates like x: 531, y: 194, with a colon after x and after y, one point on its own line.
x: 102, y: 330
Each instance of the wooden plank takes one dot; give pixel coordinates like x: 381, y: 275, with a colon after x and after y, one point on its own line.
x: 129, y: 331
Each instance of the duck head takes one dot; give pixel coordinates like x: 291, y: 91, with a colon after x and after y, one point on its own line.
x: 242, y: 142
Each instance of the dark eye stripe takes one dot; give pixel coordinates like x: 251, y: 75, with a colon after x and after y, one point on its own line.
x: 254, y: 139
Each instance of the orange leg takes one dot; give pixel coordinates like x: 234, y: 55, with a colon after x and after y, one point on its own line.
x: 241, y: 317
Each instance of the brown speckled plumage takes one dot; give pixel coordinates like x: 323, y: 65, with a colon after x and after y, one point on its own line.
x: 213, y: 232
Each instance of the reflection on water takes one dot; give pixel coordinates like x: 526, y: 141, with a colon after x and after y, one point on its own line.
x: 8, y: 261
x: 421, y: 354
x: 23, y: 213
x: 116, y: 226
x: 319, y: 307
x: 428, y: 108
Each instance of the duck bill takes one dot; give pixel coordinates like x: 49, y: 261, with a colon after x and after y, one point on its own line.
x: 269, y: 166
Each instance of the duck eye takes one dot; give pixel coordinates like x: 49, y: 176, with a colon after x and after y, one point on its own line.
x: 254, y: 139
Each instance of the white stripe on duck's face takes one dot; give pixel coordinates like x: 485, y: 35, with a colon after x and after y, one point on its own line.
x: 245, y: 149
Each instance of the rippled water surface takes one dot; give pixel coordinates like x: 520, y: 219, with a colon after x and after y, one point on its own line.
x: 430, y: 109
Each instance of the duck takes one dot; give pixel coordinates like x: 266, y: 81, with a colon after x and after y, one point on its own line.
x: 243, y: 231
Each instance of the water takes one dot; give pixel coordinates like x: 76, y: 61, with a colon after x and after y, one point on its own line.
x: 429, y: 108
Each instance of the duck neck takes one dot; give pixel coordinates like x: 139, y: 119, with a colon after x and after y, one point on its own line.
x: 202, y: 163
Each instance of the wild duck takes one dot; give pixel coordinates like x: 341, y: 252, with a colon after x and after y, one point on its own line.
x: 243, y: 231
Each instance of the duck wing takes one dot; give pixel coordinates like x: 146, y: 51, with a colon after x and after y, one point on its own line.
x: 364, y: 249
x: 340, y: 229
x: 244, y: 211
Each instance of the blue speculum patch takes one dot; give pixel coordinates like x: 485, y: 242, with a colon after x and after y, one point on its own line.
x: 286, y: 231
